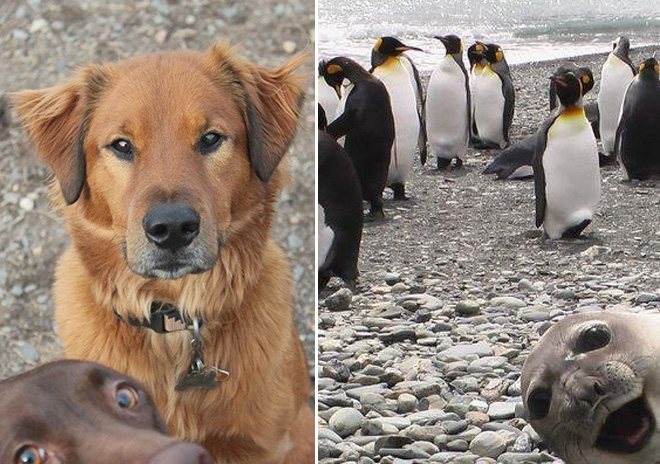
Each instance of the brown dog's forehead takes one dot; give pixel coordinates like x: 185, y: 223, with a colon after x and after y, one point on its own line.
x: 175, y: 91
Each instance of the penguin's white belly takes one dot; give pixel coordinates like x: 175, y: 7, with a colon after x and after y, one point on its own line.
x: 341, y: 107
x: 616, y: 76
x: 326, y: 236
x: 489, y: 108
x: 522, y: 172
x: 572, y: 176
x: 406, y: 119
x: 447, y: 111
x: 327, y: 99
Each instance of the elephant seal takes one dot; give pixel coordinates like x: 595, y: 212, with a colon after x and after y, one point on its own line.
x: 591, y: 388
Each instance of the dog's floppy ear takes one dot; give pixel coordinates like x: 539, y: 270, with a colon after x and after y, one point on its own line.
x: 273, y: 109
x: 271, y: 98
x: 55, y: 121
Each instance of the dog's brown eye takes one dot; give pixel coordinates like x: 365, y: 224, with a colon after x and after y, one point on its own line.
x: 30, y: 455
x: 210, y: 142
x: 127, y: 398
x: 123, y: 149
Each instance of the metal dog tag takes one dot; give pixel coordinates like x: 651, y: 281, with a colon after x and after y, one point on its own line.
x: 198, y: 376
x: 202, y: 379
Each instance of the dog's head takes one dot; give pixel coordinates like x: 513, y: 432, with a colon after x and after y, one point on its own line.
x: 77, y: 412
x: 174, y: 153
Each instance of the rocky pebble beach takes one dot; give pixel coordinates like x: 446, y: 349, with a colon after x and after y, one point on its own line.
x: 41, y: 43
x: 422, y: 362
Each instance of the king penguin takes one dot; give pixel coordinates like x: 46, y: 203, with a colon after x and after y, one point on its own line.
x: 340, y: 218
x: 494, y: 100
x: 328, y: 99
x: 566, y: 172
x: 388, y: 65
x: 638, y: 134
x: 448, y: 107
x: 616, y: 74
x: 515, y: 161
x: 367, y: 123
x: 476, y: 54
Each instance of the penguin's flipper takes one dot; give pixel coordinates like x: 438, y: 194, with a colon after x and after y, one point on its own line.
x: 539, y: 174
x: 322, y: 119
x: 471, y: 129
x: 507, y: 161
x: 422, y: 141
x: 339, y: 127
x: 509, y: 108
x: 509, y: 93
x: 593, y: 116
x: 552, y: 93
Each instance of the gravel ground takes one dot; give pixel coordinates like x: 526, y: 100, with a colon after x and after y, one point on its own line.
x: 41, y: 42
x: 423, y: 362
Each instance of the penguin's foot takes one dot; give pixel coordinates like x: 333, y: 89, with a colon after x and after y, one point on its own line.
x: 399, y: 190
x: 576, y: 231
x: 374, y: 215
x: 443, y: 163
x: 606, y: 160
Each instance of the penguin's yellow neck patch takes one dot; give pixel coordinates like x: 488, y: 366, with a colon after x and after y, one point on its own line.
x: 573, y: 112
x: 390, y: 63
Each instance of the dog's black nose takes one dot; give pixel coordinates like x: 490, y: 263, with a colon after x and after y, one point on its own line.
x: 171, y: 225
x: 182, y: 453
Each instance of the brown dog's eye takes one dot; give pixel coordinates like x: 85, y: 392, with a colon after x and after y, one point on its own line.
x: 30, y: 455
x: 127, y: 398
x: 210, y: 142
x: 123, y: 149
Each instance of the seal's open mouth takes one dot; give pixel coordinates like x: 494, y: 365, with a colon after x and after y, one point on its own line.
x: 628, y: 429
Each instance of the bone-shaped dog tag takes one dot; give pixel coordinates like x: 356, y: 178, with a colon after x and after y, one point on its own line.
x: 199, y: 379
x: 202, y: 379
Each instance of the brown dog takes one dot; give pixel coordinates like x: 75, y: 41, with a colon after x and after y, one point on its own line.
x: 79, y: 412
x: 169, y: 168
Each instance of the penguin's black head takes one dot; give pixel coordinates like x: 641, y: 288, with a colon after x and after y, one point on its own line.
x: 321, y: 67
x: 386, y: 47
x: 476, y: 52
x: 569, y: 87
x: 649, y: 69
x: 494, y: 53
x: 334, y: 72
x: 452, y: 43
x: 586, y: 79
x: 622, y: 44
x: 584, y: 74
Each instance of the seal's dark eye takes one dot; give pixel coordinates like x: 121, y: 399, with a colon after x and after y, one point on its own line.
x: 592, y: 338
x: 123, y: 149
x: 538, y: 403
x: 127, y: 398
x: 210, y: 142
x: 30, y: 455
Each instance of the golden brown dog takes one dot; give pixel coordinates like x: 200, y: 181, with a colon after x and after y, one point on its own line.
x: 168, y: 169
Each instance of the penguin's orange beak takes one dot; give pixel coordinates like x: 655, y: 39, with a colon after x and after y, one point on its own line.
x: 406, y: 48
x: 337, y: 88
x: 559, y: 81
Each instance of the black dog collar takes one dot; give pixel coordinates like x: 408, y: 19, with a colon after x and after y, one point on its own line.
x: 165, y: 318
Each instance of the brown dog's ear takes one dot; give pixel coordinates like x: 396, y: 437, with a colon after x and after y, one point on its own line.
x: 272, y: 99
x: 55, y: 121
x: 273, y: 110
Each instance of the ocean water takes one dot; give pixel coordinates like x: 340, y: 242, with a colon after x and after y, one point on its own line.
x: 528, y: 30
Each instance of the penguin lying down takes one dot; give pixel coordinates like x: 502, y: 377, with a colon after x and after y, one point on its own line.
x: 515, y: 162
x: 74, y: 411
